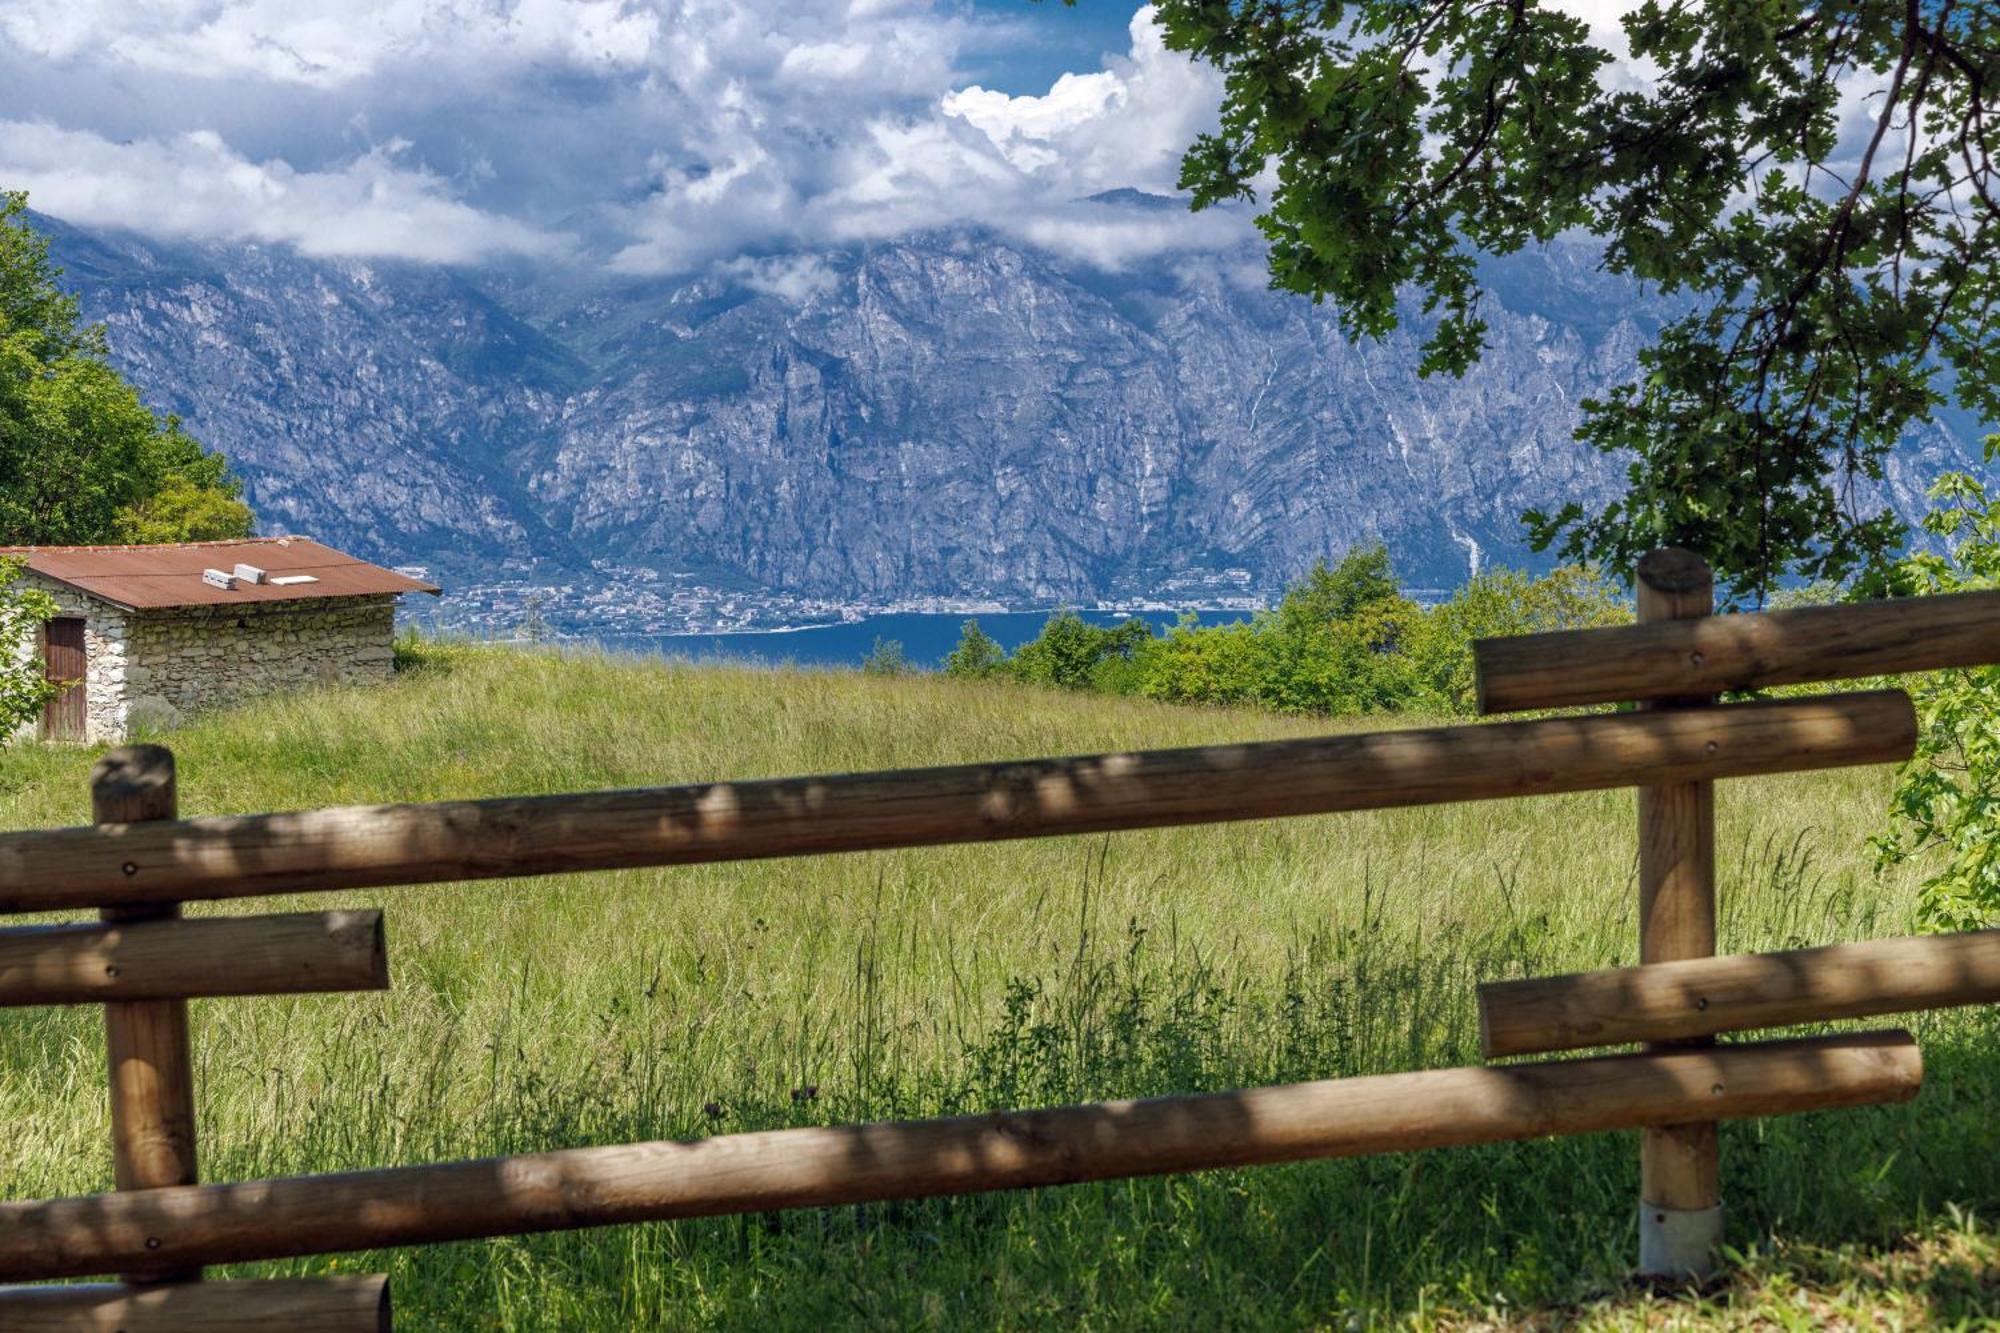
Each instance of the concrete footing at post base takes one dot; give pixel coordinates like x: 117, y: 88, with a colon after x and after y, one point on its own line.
x: 1678, y: 1244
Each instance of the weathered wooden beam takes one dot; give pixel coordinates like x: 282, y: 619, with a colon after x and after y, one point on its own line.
x: 88, y: 962
x: 1701, y: 997
x: 796, y: 1168
x: 146, y: 1041
x: 294, y: 1305
x: 1669, y: 658
x: 1680, y: 1178
x: 460, y: 840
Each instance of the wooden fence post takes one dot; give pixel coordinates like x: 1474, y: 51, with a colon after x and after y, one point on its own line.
x: 1680, y: 1199
x: 152, y: 1073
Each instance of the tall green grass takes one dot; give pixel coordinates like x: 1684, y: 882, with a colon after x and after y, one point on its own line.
x: 645, y: 1004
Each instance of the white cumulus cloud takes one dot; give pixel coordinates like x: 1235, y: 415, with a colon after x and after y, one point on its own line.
x: 1126, y: 125
x: 843, y: 164
x: 666, y: 136
x: 1024, y: 127
x: 195, y: 186
x: 326, y: 42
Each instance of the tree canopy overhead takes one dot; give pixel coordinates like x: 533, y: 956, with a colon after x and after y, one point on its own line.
x: 1817, y: 178
x: 82, y: 460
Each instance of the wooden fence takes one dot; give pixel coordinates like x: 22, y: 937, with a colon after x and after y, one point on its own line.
x: 142, y: 962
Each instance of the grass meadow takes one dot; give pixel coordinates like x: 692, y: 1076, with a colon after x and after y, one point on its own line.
x: 671, y: 1003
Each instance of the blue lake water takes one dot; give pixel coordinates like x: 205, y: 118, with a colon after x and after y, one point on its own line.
x: 926, y: 638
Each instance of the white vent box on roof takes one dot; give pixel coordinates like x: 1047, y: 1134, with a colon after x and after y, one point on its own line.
x: 218, y: 578
x: 292, y: 580
x: 250, y: 573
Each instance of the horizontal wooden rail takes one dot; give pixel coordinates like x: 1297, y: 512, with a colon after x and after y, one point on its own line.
x: 459, y: 840
x: 295, y: 1305
x: 85, y: 962
x: 1704, y: 996
x: 1667, y: 659
x: 794, y: 1168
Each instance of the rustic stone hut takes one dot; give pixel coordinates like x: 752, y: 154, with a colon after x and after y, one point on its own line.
x: 154, y: 632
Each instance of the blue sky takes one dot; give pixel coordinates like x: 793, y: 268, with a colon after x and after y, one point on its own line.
x: 1063, y: 39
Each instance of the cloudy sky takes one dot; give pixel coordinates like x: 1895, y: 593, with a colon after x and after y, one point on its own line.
x: 659, y: 136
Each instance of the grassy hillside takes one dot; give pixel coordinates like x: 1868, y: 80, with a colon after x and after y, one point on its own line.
x: 645, y: 1004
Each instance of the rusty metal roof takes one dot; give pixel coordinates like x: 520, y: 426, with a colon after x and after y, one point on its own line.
x: 152, y: 578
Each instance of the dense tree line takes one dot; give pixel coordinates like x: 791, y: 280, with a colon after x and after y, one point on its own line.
x: 1344, y: 639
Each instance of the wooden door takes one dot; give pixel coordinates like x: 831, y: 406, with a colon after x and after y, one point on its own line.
x: 64, y: 659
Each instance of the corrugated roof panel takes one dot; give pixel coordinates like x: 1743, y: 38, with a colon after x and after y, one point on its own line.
x: 150, y: 578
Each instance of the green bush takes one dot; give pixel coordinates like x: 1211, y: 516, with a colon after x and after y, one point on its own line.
x: 886, y: 658
x: 1197, y: 664
x: 978, y: 656
x: 1498, y: 603
x: 1946, y: 805
x: 1070, y: 654
x: 1070, y: 651
x: 24, y: 608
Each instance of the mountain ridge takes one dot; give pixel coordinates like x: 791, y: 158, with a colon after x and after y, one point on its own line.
x: 945, y: 415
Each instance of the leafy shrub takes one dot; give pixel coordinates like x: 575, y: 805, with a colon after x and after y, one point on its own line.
x: 978, y: 656
x: 1504, y: 602
x: 23, y: 610
x: 1946, y: 802
x: 886, y: 658
x: 1070, y: 652
x: 1212, y: 664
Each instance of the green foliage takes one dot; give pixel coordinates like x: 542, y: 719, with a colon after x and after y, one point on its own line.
x: 978, y: 655
x: 193, y: 497
x: 82, y: 460
x: 23, y: 610
x: 1946, y: 805
x: 1343, y: 640
x: 886, y: 658
x: 1214, y: 664
x: 1834, y: 290
x: 416, y: 652
x: 1820, y: 592
x: 1346, y: 640
x: 1072, y: 654
x: 1362, y: 578
x: 1333, y: 645
x: 1503, y: 602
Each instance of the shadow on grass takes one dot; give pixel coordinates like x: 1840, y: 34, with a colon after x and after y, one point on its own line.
x: 1538, y: 1233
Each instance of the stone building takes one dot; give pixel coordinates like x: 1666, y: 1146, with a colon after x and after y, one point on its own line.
x: 151, y: 633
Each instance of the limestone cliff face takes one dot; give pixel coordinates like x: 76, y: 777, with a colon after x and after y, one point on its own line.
x: 371, y: 404
x: 940, y: 415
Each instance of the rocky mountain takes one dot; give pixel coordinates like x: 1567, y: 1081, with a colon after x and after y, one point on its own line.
x: 938, y: 416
